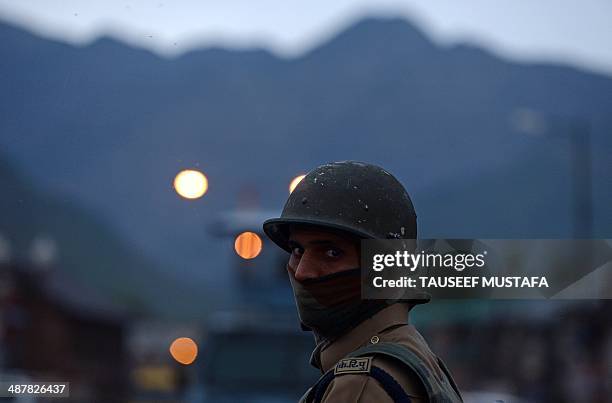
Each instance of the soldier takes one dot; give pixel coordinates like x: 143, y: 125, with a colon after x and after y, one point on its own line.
x: 365, y: 349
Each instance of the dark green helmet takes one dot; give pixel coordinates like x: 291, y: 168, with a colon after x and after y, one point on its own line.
x: 361, y: 199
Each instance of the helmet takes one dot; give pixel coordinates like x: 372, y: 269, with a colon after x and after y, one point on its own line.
x: 355, y: 197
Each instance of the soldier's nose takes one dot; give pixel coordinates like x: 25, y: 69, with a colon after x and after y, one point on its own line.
x: 305, y: 271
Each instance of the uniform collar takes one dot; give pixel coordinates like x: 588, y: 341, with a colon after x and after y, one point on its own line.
x: 327, y: 354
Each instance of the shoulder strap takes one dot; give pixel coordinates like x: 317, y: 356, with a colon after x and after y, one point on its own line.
x: 347, y: 366
x: 439, y: 391
x: 306, y: 396
x: 448, y: 375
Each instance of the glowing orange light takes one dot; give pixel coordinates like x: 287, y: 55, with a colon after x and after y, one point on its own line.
x: 248, y: 245
x: 190, y: 184
x: 184, y: 350
x: 295, y: 181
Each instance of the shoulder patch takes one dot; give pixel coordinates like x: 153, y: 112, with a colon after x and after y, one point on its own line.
x: 353, y: 366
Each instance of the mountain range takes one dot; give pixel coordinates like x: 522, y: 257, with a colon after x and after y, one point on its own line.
x: 485, y: 146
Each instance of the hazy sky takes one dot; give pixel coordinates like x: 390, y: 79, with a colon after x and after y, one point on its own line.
x: 571, y: 31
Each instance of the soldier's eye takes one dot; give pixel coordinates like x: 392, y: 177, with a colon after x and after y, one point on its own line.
x: 333, y: 252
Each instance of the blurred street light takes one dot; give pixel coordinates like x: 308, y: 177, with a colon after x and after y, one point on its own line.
x: 578, y: 131
x: 248, y: 245
x: 295, y: 181
x: 43, y: 251
x: 184, y: 350
x: 529, y: 121
x: 190, y: 184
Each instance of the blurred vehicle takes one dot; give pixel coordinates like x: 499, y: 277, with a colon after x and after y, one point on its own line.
x: 256, y: 357
x: 256, y: 352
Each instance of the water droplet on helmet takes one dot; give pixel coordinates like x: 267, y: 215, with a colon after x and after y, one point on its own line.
x: 402, y: 231
x: 366, y: 207
x: 304, y: 200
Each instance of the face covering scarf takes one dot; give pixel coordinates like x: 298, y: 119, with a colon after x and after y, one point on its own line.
x: 331, y: 305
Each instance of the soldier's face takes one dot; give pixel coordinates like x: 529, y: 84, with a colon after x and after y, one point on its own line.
x: 316, y: 253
